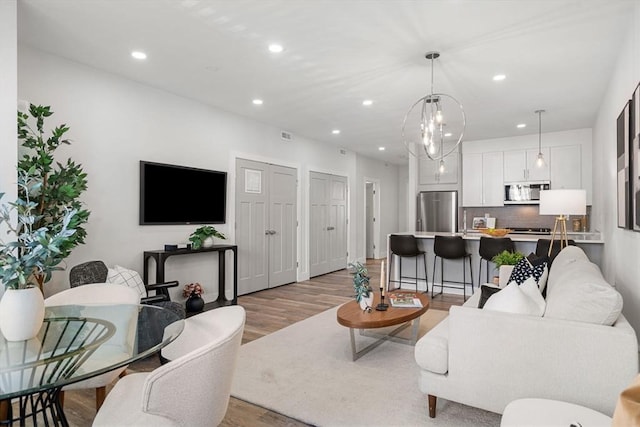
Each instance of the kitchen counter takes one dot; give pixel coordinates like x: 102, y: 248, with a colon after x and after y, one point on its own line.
x: 591, y: 243
x: 475, y: 235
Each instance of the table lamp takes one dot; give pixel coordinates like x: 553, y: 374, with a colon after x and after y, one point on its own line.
x: 562, y: 203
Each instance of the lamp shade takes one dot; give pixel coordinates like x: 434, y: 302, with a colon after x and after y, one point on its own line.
x: 563, y: 202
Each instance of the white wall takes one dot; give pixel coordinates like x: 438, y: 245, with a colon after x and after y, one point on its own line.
x: 386, y: 178
x: 116, y: 122
x: 622, y: 247
x: 8, y: 102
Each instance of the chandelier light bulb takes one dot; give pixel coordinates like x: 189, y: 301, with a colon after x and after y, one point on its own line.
x: 441, y: 167
x: 540, y: 161
x: 439, y: 116
x: 431, y: 148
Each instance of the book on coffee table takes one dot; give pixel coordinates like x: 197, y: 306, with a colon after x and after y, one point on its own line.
x: 405, y: 301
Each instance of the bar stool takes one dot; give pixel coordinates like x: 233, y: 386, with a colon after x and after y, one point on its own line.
x: 490, y: 247
x: 542, y: 248
x: 451, y: 247
x: 406, y: 246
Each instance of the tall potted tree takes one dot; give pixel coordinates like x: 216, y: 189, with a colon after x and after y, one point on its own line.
x: 28, y: 255
x: 55, y: 187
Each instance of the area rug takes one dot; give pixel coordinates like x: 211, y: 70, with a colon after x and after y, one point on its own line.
x: 306, y: 372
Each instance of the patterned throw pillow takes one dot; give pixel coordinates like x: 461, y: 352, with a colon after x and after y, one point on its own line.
x: 524, y: 269
x: 127, y: 277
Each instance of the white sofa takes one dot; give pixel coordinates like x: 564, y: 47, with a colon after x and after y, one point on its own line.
x: 487, y: 359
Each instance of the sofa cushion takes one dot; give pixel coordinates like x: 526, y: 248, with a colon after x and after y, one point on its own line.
x: 580, y: 293
x: 432, y: 350
x: 485, y: 292
x: 518, y: 299
x: 559, y: 271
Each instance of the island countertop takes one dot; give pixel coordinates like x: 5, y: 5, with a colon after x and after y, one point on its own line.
x: 593, y: 238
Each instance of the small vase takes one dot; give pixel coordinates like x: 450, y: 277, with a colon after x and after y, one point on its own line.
x: 208, y: 242
x: 21, y: 313
x: 194, y: 304
x: 366, y: 302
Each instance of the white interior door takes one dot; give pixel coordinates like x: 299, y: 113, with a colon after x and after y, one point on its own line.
x: 369, y: 218
x: 266, y: 225
x: 328, y: 223
x: 282, y: 225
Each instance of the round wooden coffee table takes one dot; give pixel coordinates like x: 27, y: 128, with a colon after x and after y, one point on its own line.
x: 353, y: 317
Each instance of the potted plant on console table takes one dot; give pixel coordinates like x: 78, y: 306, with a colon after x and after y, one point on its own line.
x: 203, y: 237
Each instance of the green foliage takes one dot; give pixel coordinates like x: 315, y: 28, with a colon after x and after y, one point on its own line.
x: 60, y: 185
x: 360, y: 280
x: 32, y: 252
x: 507, y: 258
x: 198, y: 236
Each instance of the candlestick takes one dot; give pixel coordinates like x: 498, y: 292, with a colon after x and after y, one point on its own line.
x: 382, y: 306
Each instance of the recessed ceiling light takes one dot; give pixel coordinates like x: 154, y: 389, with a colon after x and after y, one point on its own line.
x: 448, y: 134
x: 367, y: 102
x: 336, y: 131
x: 138, y: 54
x: 275, y: 48
x: 381, y: 148
x: 521, y: 125
x: 257, y: 101
x: 499, y: 77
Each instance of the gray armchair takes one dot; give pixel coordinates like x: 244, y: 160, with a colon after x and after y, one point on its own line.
x: 97, y: 272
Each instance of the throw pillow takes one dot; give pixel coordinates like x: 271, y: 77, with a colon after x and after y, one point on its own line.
x: 512, y: 299
x: 487, y: 291
x: 524, y: 269
x: 536, y: 260
x: 530, y: 288
x: 127, y: 277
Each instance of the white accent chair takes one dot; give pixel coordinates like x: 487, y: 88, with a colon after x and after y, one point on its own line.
x: 193, y: 388
x: 551, y: 413
x: 97, y: 297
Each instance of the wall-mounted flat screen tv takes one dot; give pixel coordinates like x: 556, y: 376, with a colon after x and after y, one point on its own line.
x: 171, y: 194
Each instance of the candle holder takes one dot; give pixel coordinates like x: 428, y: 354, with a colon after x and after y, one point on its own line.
x: 382, y: 306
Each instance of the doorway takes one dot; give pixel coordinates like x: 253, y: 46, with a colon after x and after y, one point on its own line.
x: 266, y: 225
x: 371, y: 218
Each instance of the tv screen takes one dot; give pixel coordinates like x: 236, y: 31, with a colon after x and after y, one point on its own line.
x: 171, y: 194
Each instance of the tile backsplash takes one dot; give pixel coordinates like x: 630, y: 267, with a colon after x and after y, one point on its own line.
x: 514, y: 216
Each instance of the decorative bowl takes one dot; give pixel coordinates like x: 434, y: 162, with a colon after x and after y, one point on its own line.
x: 495, y: 232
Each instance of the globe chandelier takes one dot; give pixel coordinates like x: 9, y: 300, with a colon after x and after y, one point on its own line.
x: 436, y: 122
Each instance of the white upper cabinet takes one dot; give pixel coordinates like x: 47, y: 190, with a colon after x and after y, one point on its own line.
x: 520, y: 165
x: 482, y: 179
x: 566, y: 165
x: 430, y: 173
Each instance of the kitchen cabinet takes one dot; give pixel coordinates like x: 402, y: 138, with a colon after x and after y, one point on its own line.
x: 430, y: 174
x: 482, y: 179
x: 520, y: 165
x: 565, y: 164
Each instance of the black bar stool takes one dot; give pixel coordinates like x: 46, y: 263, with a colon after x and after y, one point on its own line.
x: 542, y: 248
x: 451, y: 247
x: 490, y: 247
x: 406, y: 246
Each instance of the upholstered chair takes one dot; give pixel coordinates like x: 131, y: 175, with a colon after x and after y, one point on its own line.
x: 98, y: 297
x: 192, y: 389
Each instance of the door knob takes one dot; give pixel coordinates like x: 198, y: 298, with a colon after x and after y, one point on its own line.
x: 331, y: 228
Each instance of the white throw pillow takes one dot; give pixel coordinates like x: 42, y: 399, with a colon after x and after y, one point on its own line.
x: 513, y: 299
x: 530, y: 288
x: 127, y: 277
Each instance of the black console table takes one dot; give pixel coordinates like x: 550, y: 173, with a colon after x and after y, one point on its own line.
x: 161, y: 257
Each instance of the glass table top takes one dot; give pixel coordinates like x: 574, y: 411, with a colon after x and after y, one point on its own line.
x: 77, y: 342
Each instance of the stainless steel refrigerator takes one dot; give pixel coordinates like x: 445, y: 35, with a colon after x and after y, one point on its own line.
x: 437, y: 211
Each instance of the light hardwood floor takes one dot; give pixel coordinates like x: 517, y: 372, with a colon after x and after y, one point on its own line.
x: 267, y: 312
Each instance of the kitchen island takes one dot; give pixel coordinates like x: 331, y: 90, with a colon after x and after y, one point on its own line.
x: 591, y: 243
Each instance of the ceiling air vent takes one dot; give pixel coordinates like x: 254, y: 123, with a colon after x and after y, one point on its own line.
x: 286, y: 136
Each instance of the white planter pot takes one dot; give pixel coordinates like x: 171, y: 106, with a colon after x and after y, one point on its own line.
x: 208, y: 242
x: 366, y: 301
x: 21, y: 313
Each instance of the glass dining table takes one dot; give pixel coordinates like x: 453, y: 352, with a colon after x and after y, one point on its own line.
x: 76, y: 342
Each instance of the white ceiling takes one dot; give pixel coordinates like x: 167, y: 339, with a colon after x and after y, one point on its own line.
x: 558, y: 55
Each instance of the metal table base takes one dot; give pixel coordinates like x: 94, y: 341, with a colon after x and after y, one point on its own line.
x: 391, y: 336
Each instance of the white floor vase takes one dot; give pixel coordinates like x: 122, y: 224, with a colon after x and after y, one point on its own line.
x: 21, y: 313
